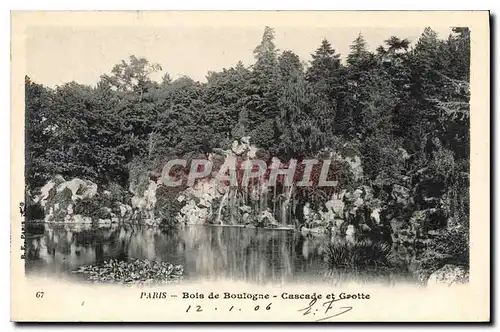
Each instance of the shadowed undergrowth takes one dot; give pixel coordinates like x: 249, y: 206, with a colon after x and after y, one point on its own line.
x: 362, y: 254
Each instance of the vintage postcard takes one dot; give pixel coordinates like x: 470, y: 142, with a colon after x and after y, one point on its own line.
x: 250, y: 166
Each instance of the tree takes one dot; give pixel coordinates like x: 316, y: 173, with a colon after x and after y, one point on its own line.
x: 326, y: 77
x: 379, y: 146
x: 396, y: 45
x: 289, y: 64
x: 38, y: 105
x: 266, y: 55
x: 177, y: 124
x: 361, y: 63
x: 299, y: 135
x: 224, y: 94
x: 405, y: 111
x: 359, y: 58
x: 132, y: 76
x: 261, y: 92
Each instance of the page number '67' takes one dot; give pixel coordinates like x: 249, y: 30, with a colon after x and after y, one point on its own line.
x: 39, y: 295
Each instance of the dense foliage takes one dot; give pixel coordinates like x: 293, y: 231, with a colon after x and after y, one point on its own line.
x: 404, y: 107
x: 133, y: 272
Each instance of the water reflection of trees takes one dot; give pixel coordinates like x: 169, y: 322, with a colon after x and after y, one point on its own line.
x: 239, y: 253
x: 243, y: 254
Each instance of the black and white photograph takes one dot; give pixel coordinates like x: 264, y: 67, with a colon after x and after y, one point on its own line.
x: 271, y: 155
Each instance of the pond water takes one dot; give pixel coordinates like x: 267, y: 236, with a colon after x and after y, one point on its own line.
x: 206, y: 252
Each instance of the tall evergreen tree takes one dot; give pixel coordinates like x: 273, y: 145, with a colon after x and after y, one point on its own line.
x: 361, y: 63
x: 326, y: 77
x: 289, y: 63
x: 262, y: 92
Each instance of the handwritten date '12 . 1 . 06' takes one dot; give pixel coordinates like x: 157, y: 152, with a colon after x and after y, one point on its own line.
x: 313, y: 307
x: 317, y: 308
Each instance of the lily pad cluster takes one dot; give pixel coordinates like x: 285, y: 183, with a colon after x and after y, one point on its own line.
x: 133, y: 272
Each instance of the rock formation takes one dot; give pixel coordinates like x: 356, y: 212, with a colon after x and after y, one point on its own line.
x: 449, y: 275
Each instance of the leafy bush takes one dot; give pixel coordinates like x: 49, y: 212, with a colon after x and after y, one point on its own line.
x: 63, y: 198
x: 168, y: 206
x: 447, y: 246
x: 94, y: 207
x: 117, y: 194
x: 362, y: 254
x: 133, y: 272
x: 381, y: 156
x: 138, y: 175
x: 32, y: 211
x: 50, y: 197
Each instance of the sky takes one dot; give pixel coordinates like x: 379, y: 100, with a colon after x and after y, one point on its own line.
x: 58, y: 55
